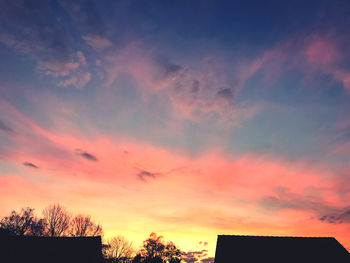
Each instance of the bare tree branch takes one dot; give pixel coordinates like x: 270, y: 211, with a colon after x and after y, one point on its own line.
x: 118, y: 249
x: 82, y: 226
x: 57, y: 220
x: 18, y: 223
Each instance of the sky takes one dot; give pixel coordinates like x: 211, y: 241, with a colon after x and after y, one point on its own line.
x: 185, y: 118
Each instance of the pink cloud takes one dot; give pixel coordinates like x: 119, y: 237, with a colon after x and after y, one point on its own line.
x: 209, y: 194
x: 81, y: 58
x: 193, y: 94
x: 72, y: 73
x: 120, y: 160
x: 324, y: 54
x: 78, y: 80
x: 116, y: 157
x: 343, y: 77
x: 57, y: 68
x: 97, y: 42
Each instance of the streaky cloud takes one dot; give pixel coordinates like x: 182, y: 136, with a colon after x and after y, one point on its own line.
x: 5, y: 128
x: 86, y: 155
x: 343, y: 216
x: 29, y: 164
x: 144, y: 175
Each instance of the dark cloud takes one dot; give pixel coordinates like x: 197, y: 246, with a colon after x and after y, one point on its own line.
x: 199, y: 93
x: 29, y: 164
x: 342, y: 216
x: 276, y: 203
x: 284, y: 199
x: 144, y: 175
x: 5, y: 128
x: 167, y: 68
x: 226, y: 94
x: 189, y: 257
x: 193, y: 256
x: 86, y: 155
x: 208, y: 260
x: 197, y: 256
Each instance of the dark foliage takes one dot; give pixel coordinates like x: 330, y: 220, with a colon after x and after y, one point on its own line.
x: 56, y: 222
x: 23, y: 223
x: 154, y: 250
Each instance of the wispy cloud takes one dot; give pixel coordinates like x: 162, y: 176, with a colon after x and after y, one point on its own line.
x: 323, y: 53
x: 197, y: 256
x: 97, y: 42
x: 325, y: 211
x: 29, y: 164
x: 194, y: 94
x: 145, y: 175
x: 86, y: 155
x: 5, y: 128
x: 49, y: 47
x: 342, y: 216
x: 89, y: 22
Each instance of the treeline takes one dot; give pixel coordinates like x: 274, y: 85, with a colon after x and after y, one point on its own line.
x: 58, y: 222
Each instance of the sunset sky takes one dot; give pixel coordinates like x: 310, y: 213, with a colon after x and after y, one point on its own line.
x: 185, y: 118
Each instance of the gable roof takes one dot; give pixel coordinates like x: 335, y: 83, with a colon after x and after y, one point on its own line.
x: 252, y: 249
x: 50, y: 249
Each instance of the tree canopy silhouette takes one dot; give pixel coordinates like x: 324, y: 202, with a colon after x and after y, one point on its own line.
x: 23, y: 223
x: 155, y: 250
x: 57, y: 220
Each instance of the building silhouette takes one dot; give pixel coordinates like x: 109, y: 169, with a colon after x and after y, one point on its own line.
x: 19, y: 249
x: 261, y: 249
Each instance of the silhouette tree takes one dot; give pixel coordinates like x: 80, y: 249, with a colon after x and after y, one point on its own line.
x: 18, y: 223
x: 118, y: 249
x: 38, y: 227
x: 57, y: 220
x: 137, y: 258
x: 82, y: 226
x: 153, y: 247
x: 154, y: 250
x: 172, y: 253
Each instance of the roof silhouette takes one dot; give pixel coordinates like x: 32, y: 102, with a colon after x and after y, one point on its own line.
x: 50, y: 249
x: 253, y: 249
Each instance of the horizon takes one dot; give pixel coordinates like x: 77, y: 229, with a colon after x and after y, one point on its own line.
x: 188, y: 119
